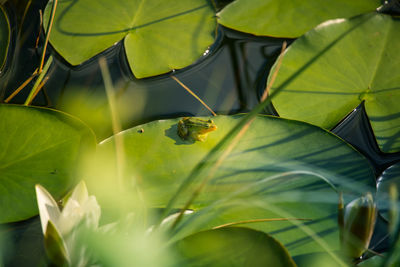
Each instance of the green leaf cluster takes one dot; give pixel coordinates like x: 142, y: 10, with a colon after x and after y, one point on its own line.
x: 271, y: 196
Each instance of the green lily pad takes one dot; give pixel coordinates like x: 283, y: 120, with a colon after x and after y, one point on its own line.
x: 288, y: 18
x: 38, y: 146
x: 329, y: 71
x: 159, y: 35
x: 312, y: 162
x: 232, y: 247
x: 4, y: 37
x: 156, y: 153
x: 390, y: 176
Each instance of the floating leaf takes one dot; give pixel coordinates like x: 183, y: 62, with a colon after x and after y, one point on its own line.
x: 4, y: 37
x: 288, y: 18
x: 159, y: 35
x: 234, y: 246
x: 158, y: 155
x: 326, y: 73
x: 37, y: 146
x: 157, y: 161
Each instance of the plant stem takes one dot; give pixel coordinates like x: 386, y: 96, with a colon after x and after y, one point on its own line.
x: 35, y: 87
x: 193, y: 94
x: 42, y: 70
x: 49, y: 27
x: 24, y: 16
x: 119, y: 140
x: 39, y: 88
x: 22, y: 86
x: 40, y: 29
x: 260, y: 220
x: 116, y: 125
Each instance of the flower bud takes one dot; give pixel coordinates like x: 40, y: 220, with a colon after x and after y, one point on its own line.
x: 358, y: 225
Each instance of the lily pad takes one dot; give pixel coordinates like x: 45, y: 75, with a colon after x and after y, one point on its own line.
x: 4, y: 37
x: 308, y: 163
x: 159, y: 35
x: 38, y: 146
x: 390, y: 176
x: 329, y: 71
x: 232, y: 247
x: 288, y: 18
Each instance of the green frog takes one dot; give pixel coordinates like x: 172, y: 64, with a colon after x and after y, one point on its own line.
x: 195, y: 129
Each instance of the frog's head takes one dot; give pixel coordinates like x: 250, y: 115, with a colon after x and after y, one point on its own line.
x: 201, y: 126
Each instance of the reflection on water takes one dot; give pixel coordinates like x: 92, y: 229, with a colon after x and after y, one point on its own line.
x: 357, y: 131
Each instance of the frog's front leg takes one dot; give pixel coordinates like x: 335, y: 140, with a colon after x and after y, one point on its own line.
x: 199, y: 137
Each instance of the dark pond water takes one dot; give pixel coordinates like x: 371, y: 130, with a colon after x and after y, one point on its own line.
x: 230, y: 78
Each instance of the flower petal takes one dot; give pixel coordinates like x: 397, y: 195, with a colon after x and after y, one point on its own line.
x: 48, y: 208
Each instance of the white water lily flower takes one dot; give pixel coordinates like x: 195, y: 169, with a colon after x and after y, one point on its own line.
x: 79, y: 208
